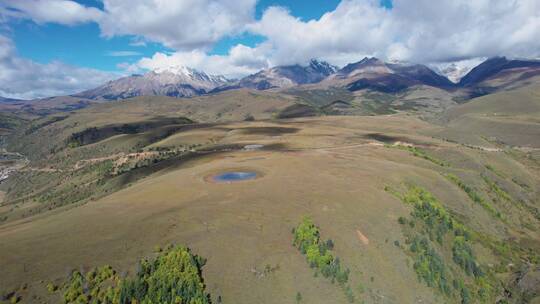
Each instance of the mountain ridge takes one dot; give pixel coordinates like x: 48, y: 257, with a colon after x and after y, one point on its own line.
x: 370, y: 73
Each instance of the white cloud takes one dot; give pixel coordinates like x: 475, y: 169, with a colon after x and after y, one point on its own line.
x: 179, y: 24
x: 25, y: 79
x: 419, y: 31
x: 455, y: 70
x: 56, y: 11
x: 241, y: 60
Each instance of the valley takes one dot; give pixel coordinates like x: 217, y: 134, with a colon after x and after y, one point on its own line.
x: 409, y: 196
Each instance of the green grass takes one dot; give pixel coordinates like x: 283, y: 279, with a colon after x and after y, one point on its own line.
x: 473, y: 195
x: 495, y: 171
x: 421, y: 154
x: 498, y: 191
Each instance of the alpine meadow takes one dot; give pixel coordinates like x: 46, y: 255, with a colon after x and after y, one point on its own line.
x: 269, y: 151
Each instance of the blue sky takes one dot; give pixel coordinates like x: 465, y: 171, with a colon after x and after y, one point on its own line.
x: 54, y: 47
x: 82, y: 44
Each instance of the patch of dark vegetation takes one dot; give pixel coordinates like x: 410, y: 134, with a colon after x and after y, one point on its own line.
x: 36, y: 126
x: 377, y: 103
x: 269, y: 131
x: 495, y: 171
x: 337, y: 107
x: 146, y: 167
x: 297, y: 110
x: 386, y: 84
x: 428, y: 232
x: 498, y: 192
x: 500, y: 195
x: 418, y: 152
x: 275, y: 147
x: 473, y: 195
x: 387, y: 139
x: 409, y: 106
x: 320, y: 98
x: 319, y: 255
x: 11, y: 121
x: 96, y: 134
x: 429, y: 265
x: 480, y: 91
x: 174, y: 276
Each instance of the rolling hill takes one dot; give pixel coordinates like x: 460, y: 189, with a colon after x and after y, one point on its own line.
x: 505, y: 118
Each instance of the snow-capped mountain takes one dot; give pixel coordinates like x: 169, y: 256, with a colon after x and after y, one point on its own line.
x: 368, y: 73
x: 288, y: 76
x: 500, y: 68
x: 375, y: 74
x: 455, y: 70
x: 175, y: 81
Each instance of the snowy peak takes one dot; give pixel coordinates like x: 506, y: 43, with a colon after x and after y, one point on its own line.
x: 456, y: 70
x: 176, y: 70
x: 288, y: 76
x: 365, y: 66
x: 175, y: 81
x: 177, y: 73
x: 322, y: 67
x: 372, y: 73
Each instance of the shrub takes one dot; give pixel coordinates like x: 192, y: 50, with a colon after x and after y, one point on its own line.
x: 173, y: 277
x: 429, y: 266
x: 473, y: 195
x: 318, y: 255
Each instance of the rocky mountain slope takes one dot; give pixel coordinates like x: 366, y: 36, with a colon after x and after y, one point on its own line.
x: 497, y: 67
x: 174, y: 81
x: 374, y: 74
x: 288, y: 76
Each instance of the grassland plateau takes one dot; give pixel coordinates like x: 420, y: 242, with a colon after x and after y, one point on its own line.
x: 405, y: 205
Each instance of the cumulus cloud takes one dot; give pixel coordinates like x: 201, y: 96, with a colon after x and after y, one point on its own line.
x: 25, y: 79
x: 56, y: 11
x: 181, y: 25
x: 354, y: 27
x: 241, y: 60
x: 419, y: 31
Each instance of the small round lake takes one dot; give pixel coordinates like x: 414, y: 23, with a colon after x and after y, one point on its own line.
x: 234, y: 176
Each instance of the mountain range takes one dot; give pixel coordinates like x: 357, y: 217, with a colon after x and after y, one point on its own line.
x: 367, y: 74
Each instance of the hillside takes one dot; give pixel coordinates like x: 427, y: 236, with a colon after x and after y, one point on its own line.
x: 107, y: 184
x: 504, y: 118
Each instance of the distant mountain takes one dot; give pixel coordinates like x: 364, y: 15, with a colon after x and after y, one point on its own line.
x: 9, y: 100
x: 367, y: 74
x: 374, y: 74
x: 175, y: 81
x: 288, y: 76
x: 455, y: 70
x: 499, y: 67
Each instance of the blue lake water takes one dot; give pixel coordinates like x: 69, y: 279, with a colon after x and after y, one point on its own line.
x: 234, y: 176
